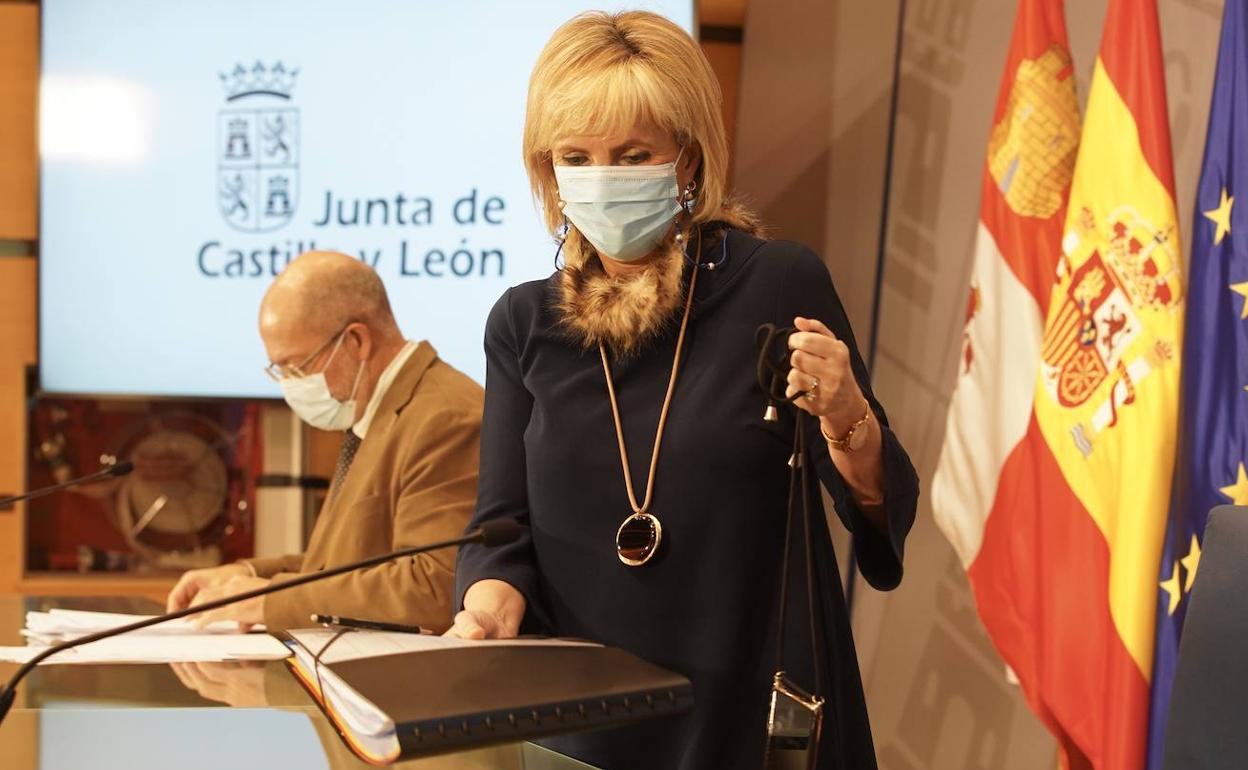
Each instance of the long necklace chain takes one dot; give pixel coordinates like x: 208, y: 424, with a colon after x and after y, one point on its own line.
x: 644, y: 507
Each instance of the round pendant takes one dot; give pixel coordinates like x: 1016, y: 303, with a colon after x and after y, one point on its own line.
x: 638, y: 539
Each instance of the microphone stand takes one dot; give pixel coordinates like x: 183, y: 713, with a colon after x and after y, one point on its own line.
x: 120, y: 469
x: 491, y: 533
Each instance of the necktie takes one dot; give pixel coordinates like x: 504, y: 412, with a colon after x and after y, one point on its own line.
x: 350, y: 445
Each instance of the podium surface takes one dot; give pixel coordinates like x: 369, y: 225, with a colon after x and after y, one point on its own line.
x: 135, y: 717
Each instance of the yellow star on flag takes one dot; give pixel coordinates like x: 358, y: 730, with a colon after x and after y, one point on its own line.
x: 1238, y: 492
x: 1190, y: 563
x: 1221, y: 216
x: 1171, y: 587
x: 1242, y: 288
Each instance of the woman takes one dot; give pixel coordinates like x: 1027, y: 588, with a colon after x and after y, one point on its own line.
x: 624, y: 421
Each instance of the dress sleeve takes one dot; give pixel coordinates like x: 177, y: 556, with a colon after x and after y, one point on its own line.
x: 807, y: 291
x: 502, y: 490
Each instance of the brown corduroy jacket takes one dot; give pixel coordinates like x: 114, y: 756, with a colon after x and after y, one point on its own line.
x: 413, y: 480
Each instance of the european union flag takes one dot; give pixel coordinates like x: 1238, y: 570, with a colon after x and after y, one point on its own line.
x: 1213, y: 433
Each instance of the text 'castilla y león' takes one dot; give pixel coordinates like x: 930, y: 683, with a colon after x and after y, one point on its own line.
x: 407, y: 257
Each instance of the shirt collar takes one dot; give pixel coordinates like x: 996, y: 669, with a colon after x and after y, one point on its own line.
x: 384, y: 382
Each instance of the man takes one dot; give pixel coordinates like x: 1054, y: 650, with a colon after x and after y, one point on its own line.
x: 407, y: 472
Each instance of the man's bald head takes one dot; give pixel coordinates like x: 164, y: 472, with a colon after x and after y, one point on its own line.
x: 325, y: 297
x: 322, y: 291
x: 318, y: 295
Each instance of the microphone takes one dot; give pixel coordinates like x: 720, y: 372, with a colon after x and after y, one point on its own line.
x: 499, y: 532
x: 119, y: 469
x: 489, y: 534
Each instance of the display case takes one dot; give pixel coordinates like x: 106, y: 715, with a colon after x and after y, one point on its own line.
x: 213, y: 481
x: 188, y: 503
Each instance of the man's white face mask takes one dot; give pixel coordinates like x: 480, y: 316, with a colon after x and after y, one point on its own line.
x: 310, y: 398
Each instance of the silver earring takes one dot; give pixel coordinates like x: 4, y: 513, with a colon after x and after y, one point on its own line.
x: 686, y: 205
x: 562, y: 237
x: 680, y: 234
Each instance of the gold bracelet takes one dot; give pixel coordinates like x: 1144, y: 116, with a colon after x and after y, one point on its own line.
x: 843, y: 444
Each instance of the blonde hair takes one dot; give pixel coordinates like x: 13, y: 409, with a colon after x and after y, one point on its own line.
x: 603, y: 73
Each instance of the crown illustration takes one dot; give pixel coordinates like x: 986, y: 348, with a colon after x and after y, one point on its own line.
x: 259, y: 80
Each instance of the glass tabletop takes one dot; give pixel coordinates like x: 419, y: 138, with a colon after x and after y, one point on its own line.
x: 188, y: 716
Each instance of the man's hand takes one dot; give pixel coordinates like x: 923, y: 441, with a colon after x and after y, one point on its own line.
x: 239, y: 684
x: 191, y: 583
x: 248, y: 613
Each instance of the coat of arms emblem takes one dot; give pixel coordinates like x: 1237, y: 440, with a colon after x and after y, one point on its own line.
x: 1128, y: 268
x: 1031, y: 153
x: 258, y: 148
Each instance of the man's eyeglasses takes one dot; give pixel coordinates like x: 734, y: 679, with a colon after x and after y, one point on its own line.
x: 279, y: 372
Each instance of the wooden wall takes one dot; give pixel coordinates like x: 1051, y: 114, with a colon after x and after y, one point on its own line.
x: 722, y: 25
x: 19, y: 66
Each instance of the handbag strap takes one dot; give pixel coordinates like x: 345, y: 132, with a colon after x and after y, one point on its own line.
x: 773, y: 367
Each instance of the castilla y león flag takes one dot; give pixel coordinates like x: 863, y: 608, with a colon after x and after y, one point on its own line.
x: 1054, y: 480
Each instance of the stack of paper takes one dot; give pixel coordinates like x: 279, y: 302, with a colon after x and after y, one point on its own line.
x: 174, y: 641
x: 57, y: 625
x: 370, y: 729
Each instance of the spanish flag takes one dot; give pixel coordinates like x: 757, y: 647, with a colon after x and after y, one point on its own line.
x: 1059, y: 512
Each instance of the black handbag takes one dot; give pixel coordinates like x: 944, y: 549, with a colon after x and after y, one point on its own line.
x: 795, y: 717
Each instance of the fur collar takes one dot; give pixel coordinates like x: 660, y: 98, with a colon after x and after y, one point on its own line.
x: 628, y: 312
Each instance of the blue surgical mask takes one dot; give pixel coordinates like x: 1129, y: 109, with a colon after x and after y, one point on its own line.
x: 624, y: 211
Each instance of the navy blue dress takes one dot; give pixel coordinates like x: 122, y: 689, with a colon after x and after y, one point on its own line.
x: 707, y: 605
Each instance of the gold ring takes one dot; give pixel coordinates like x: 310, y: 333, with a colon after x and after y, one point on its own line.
x: 810, y: 393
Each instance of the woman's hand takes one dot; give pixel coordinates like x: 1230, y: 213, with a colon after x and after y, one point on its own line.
x: 822, y: 374
x: 493, y: 609
x: 823, y: 381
